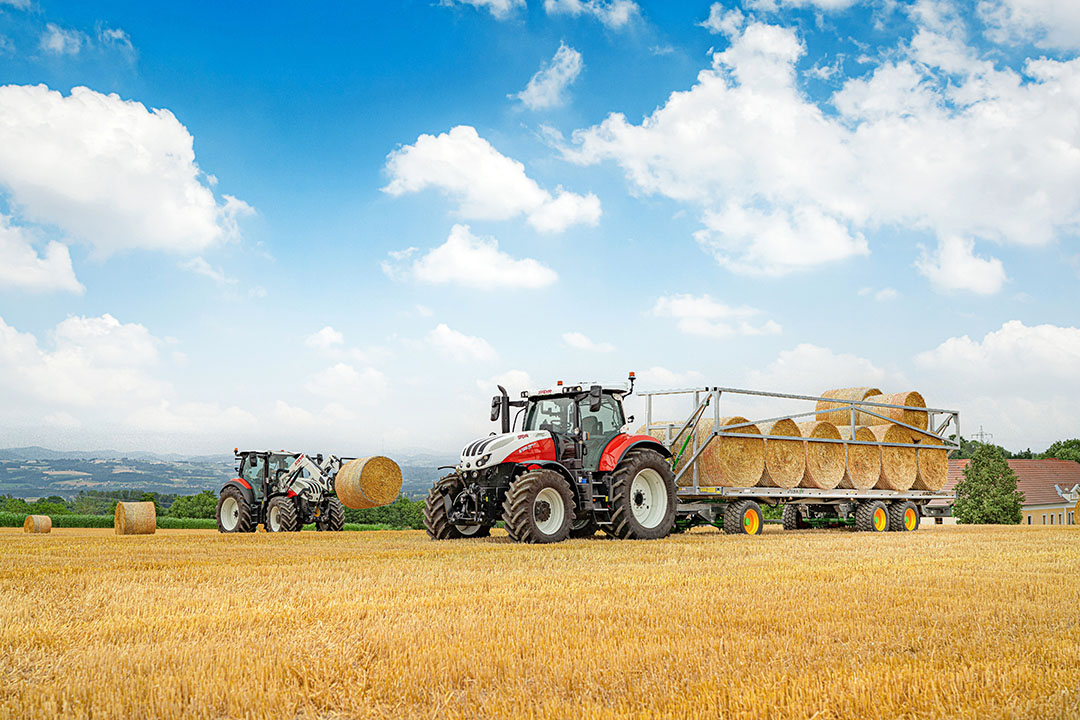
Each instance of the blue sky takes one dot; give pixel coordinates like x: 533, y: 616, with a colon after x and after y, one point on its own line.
x: 335, y: 228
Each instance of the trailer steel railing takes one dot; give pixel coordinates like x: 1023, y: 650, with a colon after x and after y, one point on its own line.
x: 939, y: 420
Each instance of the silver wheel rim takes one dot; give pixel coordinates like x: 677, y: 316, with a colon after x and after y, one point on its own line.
x: 273, y: 521
x: 548, y: 511
x: 648, y: 498
x: 230, y: 514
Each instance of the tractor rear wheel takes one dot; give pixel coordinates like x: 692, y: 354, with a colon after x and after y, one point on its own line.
x: 436, y: 513
x: 793, y: 519
x: 743, y: 518
x: 872, y: 516
x: 233, y: 511
x: 539, y: 507
x: 903, y: 516
x: 333, y: 518
x: 642, y: 497
x: 584, y: 526
x: 281, y: 515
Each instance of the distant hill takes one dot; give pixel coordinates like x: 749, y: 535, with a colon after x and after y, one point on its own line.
x: 34, y: 452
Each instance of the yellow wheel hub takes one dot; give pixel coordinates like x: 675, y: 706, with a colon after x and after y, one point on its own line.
x: 881, y: 519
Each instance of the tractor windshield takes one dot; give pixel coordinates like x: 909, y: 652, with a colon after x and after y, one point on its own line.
x: 555, y: 414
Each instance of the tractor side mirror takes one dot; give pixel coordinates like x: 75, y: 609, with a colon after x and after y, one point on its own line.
x: 594, y: 398
x: 496, y: 406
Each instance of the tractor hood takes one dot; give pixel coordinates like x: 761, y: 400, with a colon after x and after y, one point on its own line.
x: 514, y: 447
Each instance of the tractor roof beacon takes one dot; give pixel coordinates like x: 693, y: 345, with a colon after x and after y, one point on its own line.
x: 571, y: 469
x: 282, y: 491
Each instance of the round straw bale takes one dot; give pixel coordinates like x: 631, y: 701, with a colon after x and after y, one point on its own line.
x: 843, y: 396
x: 933, y: 465
x: 910, y: 399
x: 135, y: 518
x: 368, y: 482
x: 785, y: 460
x: 898, y: 465
x: 730, y: 461
x: 863, y: 461
x: 824, y: 460
x: 37, y: 524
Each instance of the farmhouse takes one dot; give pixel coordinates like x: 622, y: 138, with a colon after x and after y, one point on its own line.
x: 1051, y: 489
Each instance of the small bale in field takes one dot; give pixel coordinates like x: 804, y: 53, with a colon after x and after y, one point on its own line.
x: 932, y: 464
x: 824, y: 460
x: 368, y: 482
x: 135, y: 518
x: 843, y: 396
x: 909, y: 399
x: 863, y: 461
x: 898, y: 465
x: 785, y: 460
x: 730, y: 461
x: 37, y: 524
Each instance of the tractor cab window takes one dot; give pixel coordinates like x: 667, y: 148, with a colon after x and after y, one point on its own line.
x: 555, y: 414
x: 252, y: 469
x: 280, y: 462
x: 599, y: 427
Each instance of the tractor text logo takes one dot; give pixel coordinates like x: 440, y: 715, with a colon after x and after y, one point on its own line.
x: 523, y: 437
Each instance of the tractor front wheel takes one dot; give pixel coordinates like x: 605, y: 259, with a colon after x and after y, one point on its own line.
x: 233, y: 511
x: 281, y: 515
x: 539, y: 507
x: 642, y: 497
x: 333, y: 518
x: 436, y: 512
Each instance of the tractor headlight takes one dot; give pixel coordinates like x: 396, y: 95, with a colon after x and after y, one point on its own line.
x: 475, y: 474
x: 483, y: 461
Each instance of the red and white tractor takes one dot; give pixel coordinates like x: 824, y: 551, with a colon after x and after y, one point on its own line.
x: 570, y: 470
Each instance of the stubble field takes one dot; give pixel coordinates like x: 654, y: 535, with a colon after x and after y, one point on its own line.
x: 943, y: 622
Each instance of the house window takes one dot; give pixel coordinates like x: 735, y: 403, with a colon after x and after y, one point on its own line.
x: 1071, y: 521
x: 1029, y: 519
x: 1059, y: 519
x: 1044, y: 518
x: 1051, y: 518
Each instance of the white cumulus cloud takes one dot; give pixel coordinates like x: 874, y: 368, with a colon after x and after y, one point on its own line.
x: 21, y: 266
x: 486, y: 184
x: 613, y: 14
x: 108, y: 171
x: 1047, y: 23
x: 580, y: 341
x: 701, y: 315
x: 326, y: 339
x: 546, y: 89
x: 955, y: 266
x: 61, y: 41
x: 500, y: 9
x: 470, y: 261
x: 459, y: 346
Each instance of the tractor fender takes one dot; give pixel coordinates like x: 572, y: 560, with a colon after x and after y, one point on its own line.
x: 553, y: 465
x: 622, y: 444
x: 244, y: 488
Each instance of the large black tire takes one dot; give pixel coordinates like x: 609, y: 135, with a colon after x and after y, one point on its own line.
x: 281, y: 515
x: 646, y: 510
x: 793, y: 519
x: 872, y: 516
x: 903, y: 516
x: 583, y: 527
x: 333, y: 518
x: 539, y: 507
x: 436, y: 521
x: 237, y: 512
x: 743, y: 518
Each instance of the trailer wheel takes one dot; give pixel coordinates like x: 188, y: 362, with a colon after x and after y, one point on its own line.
x: 436, y: 520
x: 872, y: 516
x: 333, y: 519
x: 793, y: 519
x: 903, y: 516
x: 643, y: 500
x: 743, y: 518
x: 233, y: 512
x: 584, y: 527
x: 539, y: 507
x: 281, y: 515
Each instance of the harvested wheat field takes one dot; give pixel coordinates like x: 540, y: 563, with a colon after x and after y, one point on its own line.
x: 970, y: 622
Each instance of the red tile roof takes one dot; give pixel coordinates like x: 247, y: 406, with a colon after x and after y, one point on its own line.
x: 1035, y: 478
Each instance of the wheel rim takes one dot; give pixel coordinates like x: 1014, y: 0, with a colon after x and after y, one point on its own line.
x: 230, y: 514
x: 910, y: 518
x: 751, y: 522
x: 548, y: 511
x: 273, y: 521
x: 880, y: 519
x: 648, y: 498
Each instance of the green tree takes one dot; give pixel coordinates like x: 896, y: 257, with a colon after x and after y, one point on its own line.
x: 1064, y: 450
x: 202, y: 505
x: 987, y: 494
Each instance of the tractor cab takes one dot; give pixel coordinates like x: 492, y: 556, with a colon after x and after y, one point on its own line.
x: 581, y: 419
x: 260, y: 470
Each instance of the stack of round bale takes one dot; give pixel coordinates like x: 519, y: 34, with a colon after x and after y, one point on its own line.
x: 820, y: 453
